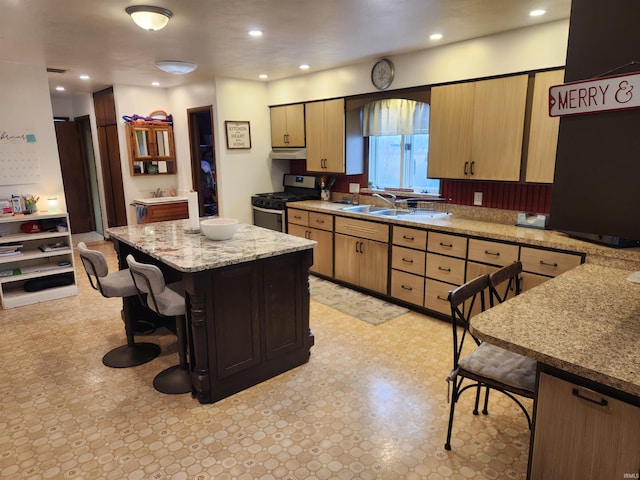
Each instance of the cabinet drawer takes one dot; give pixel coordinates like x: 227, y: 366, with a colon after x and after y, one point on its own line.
x: 494, y: 253
x: 446, y: 269
x: 362, y: 229
x: 546, y: 262
x: 163, y: 213
x: 298, y: 217
x: 407, y: 287
x: 321, y: 221
x: 530, y: 280
x: 410, y: 237
x: 436, y: 296
x: 407, y: 260
x: 447, y: 244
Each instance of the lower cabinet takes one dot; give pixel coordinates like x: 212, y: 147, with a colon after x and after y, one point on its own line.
x: 163, y: 212
x: 581, y: 433
x: 362, y: 262
x: 318, y: 227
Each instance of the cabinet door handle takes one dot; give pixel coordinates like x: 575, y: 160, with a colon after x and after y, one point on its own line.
x: 308, y: 235
x: 495, y: 254
x: 444, y: 269
x: 466, y: 171
x: 472, y: 164
x: 554, y: 265
x: 576, y: 393
x: 446, y: 245
x: 404, y: 287
x: 320, y: 221
x: 408, y: 260
x: 408, y: 238
x: 442, y: 298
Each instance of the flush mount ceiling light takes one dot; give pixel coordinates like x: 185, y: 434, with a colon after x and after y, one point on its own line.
x: 176, y: 66
x: 149, y: 17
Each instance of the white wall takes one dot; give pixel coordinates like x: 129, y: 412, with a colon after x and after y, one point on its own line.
x: 244, y: 172
x: 26, y: 107
x: 537, y: 47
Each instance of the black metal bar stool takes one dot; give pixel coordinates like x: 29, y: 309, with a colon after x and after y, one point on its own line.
x: 110, y: 285
x: 168, y: 301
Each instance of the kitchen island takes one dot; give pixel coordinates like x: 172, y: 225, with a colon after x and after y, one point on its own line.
x: 248, y: 299
x: 583, y: 329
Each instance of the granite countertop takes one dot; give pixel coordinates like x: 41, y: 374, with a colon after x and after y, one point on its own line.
x: 585, y: 321
x: 620, y: 257
x: 187, y: 252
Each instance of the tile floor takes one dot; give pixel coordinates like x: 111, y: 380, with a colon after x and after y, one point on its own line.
x: 370, y: 404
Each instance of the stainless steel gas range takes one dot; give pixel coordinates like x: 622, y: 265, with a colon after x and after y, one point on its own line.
x: 270, y: 209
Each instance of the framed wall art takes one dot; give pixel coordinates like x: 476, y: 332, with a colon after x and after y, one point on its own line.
x: 238, y: 134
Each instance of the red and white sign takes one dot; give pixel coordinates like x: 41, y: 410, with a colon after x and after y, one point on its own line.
x: 621, y: 92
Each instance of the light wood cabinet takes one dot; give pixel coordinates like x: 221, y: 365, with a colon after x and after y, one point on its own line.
x: 407, y: 287
x: 362, y: 253
x: 163, y: 212
x: 477, y: 128
x: 582, y: 433
x: 151, y: 149
x: 543, y: 130
x: 44, y: 257
x: 318, y: 227
x: 548, y: 262
x: 287, y: 126
x: 334, y: 138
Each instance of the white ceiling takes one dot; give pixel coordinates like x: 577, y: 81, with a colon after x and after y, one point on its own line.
x: 98, y: 38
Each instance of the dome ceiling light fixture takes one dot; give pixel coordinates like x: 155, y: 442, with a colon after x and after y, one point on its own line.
x: 148, y: 17
x: 176, y: 66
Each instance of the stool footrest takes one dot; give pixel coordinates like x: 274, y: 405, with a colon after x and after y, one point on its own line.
x: 131, y: 355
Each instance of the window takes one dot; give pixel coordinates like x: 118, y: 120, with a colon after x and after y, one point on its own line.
x: 398, y: 132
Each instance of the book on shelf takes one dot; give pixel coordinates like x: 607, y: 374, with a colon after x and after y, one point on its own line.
x: 10, y: 249
x: 10, y: 254
x: 10, y: 272
x: 51, y: 247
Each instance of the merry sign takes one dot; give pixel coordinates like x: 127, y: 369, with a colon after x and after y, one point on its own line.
x: 621, y: 92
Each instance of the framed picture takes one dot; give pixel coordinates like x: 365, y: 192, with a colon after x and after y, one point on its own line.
x: 238, y: 134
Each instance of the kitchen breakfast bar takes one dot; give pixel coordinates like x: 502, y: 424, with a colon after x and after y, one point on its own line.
x: 247, y: 299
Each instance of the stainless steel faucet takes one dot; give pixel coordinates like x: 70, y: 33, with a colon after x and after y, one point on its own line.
x: 391, y: 202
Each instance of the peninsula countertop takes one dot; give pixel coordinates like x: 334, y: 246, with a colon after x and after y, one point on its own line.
x: 193, y: 252
x: 585, y: 321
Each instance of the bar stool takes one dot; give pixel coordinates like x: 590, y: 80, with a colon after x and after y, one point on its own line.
x: 168, y: 301
x: 110, y: 285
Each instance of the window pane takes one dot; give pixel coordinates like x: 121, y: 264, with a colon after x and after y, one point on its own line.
x: 420, y: 157
x: 385, y: 160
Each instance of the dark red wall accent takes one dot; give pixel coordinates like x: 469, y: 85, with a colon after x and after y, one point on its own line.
x: 522, y: 197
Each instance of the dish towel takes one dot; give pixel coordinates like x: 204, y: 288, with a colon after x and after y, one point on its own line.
x: 141, y: 211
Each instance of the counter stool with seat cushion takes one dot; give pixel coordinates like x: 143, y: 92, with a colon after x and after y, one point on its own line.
x: 488, y: 365
x: 168, y: 301
x: 110, y: 285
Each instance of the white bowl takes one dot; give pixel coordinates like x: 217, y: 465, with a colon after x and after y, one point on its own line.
x: 219, y: 228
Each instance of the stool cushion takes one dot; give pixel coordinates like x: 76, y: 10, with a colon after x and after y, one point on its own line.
x: 502, y: 365
x: 118, y: 284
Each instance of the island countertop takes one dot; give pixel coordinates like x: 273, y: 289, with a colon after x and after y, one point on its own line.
x: 193, y: 252
x: 585, y: 321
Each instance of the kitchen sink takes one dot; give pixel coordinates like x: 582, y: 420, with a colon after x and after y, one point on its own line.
x: 363, y: 208
x: 391, y: 212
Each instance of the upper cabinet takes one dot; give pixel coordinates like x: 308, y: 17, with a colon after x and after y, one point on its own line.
x: 287, y: 126
x: 477, y: 128
x: 151, y: 149
x: 334, y: 138
x: 543, y: 133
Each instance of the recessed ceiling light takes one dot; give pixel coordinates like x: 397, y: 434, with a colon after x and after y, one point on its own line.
x: 60, y: 89
x: 84, y: 77
x: 255, y: 33
x: 436, y: 36
x: 263, y: 76
x: 176, y: 66
x: 155, y: 84
x: 537, y: 13
x: 304, y: 66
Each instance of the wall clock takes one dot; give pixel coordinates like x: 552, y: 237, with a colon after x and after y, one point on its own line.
x: 382, y: 74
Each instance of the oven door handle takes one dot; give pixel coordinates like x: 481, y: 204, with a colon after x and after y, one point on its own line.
x: 268, y: 210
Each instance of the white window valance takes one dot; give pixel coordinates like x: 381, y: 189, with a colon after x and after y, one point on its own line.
x: 395, y: 116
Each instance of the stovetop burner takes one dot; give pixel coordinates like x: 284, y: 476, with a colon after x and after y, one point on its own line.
x: 296, y: 188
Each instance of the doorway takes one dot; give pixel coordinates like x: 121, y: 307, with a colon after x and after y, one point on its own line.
x: 203, y: 164
x: 76, y: 164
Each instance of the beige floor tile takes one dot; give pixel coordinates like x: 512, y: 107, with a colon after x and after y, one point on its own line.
x: 370, y: 404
